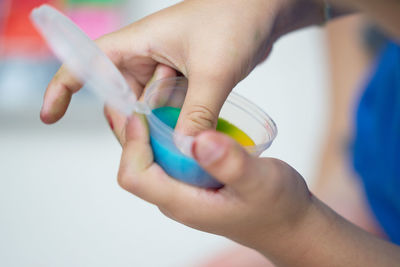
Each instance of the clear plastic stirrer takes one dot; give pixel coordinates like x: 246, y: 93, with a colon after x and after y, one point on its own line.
x: 85, y: 60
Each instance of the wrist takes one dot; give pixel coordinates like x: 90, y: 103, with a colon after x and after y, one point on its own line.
x: 297, y: 14
x: 298, y: 245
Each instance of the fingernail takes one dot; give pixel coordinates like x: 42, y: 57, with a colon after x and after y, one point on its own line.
x: 155, y: 77
x: 207, y: 151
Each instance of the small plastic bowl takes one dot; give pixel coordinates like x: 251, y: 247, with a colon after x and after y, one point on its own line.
x: 237, y: 110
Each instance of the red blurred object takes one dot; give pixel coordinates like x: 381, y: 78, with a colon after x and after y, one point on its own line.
x: 19, y: 37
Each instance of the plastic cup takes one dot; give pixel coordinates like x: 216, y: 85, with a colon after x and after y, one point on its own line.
x: 237, y: 110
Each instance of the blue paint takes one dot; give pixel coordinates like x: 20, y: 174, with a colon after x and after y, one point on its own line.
x: 174, y: 163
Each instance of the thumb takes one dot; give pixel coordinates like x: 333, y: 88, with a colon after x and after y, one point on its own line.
x: 202, y: 105
x: 227, y: 161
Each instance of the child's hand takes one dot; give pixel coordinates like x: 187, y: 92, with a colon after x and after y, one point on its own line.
x: 263, y: 199
x: 215, y: 44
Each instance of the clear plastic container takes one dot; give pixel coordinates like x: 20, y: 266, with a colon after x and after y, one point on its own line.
x: 237, y: 110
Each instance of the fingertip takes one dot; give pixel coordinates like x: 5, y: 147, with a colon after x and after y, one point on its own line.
x: 47, y: 116
x: 44, y: 117
x: 54, y: 108
x: 209, y: 147
x: 44, y: 111
x: 221, y: 157
x: 58, y: 95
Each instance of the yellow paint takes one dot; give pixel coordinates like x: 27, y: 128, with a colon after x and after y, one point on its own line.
x: 170, y: 115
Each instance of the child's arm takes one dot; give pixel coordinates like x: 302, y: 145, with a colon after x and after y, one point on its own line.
x: 265, y: 203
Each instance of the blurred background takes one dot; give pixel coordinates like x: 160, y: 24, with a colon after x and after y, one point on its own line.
x: 60, y: 204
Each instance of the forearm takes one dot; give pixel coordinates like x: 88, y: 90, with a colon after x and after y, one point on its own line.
x: 297, y: 14
x: 384, y: 12
x: 324, y: 238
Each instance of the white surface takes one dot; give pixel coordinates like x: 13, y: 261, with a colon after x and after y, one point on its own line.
x: 60, y: 204
x: 292, y: 87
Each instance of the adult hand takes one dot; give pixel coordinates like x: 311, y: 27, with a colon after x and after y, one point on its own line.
x: 214, y: 44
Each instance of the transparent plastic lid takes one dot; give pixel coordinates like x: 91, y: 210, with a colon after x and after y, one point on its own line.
x: 85, y: 60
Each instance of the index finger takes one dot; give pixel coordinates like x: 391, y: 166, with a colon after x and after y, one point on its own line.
x: 64, y: 84
x: 58, y: 95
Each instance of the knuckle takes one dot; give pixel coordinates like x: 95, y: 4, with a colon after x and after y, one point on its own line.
x: 108, y: 46
x: 279, y: 169
x: 166, y: 212
x: 171, y: 210
x: 273, y: 166
x: 177, y: 211
x: 221, y: 73
x: 183, y: 216
x: 123, y: 178
x: 135, y: 161
x: 237, y: 168
x: 217, y: 69
x: 127, y: 179
x: 201, y: 117
x: 276, y: 176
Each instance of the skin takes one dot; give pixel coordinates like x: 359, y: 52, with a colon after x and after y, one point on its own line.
x: 257, y: 198
x: 349, y: 63
x: 383, y: 12
x: 212, y: 73
x: 265, y: 204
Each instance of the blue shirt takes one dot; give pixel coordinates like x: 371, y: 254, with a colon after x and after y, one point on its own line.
x: 376, y: 153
